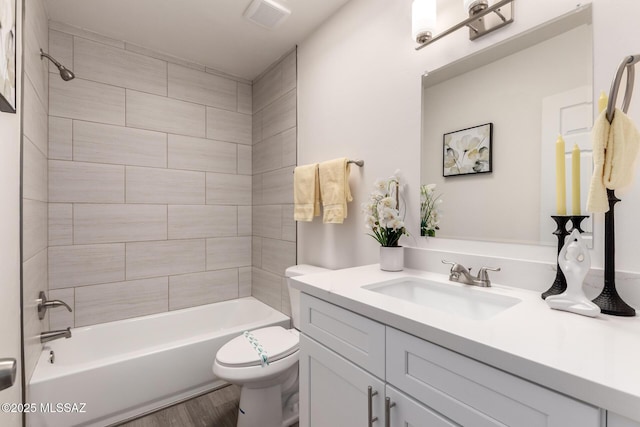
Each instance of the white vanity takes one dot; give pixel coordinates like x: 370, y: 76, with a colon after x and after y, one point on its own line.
x: 375, y: 342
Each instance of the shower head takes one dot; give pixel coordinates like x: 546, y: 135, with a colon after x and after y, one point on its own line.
x: 65, y: 73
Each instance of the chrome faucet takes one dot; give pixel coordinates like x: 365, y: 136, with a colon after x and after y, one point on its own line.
x: 54, y: 335
x: 45, y: 304
x: 460, y: 274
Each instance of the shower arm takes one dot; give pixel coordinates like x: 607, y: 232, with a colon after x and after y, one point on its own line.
x: 50, y: 58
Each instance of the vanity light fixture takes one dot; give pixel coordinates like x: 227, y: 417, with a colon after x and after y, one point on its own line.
x: 482, y: 20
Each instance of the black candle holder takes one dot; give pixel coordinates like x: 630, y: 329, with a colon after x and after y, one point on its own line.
x: 576, y: 223
x: 609, y: 301
x: 560, y: 282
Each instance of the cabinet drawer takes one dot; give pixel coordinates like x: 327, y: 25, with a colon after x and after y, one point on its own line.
x: 355, y: 337
x: 474, y: 394
x: 408, y: 412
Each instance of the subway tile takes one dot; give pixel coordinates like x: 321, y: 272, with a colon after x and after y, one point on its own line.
x: 228, y: 252
x: 192, y: 221
x: 268, y: 154
x: 95, y: 142
x: 244, y: 220
x: 256, y: 251
x: 200, y: 87
x: 62, y: 318
x: 288, y: 224
x: 266, y: 287
x: 81, y: 265
x: 60, y: 138
x: 289, y: 72
x: 159, y: 55
x: 122, y: 300
x: 267, y: 88
x: 225, y: 189
x: 86, y: 100
x: 190, y: 290
x: 244, y: 282
x: 256, y: 189
x: 277, y: 186
x: 34, y: 172
x: 186, y: 152
x: 280, y: 115
x: 164, y: 114
x: 289, y: 143
x: 151, y: 185
x: 229, y: 126
x: 267, y: 221
x: 256, y: 127
x: 119, y: 67
x: 244, y: 98
x: 277, y: 255
x: 244, y: 159
x: 34, y: 227
x: 163, y: 258
x: 60, y: 224
x: 35, y: 118
x: 70, y: 29
x: 85, y: 182
x: 114, y: 223
x: 61, y: 48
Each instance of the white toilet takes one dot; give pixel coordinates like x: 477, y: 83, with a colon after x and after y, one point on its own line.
x: 269, y: 394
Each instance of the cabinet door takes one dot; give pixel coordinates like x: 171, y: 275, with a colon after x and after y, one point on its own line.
x: 615, y: 420
x: 334, y: 391
x: 408, y: 412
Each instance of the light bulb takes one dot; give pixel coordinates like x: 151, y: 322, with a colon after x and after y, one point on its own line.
x: 423, y: 19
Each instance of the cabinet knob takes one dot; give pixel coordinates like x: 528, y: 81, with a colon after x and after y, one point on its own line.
x: 370, y: 418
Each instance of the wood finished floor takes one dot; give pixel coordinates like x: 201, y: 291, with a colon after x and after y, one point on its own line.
x: 216, y: 409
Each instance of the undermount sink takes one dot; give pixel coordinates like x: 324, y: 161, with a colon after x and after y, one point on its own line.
x: 464, y: 301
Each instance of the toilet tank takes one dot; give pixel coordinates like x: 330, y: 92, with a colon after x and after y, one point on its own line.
x: 294, y: 294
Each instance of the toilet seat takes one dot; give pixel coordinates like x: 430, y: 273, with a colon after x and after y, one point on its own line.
x: 276, y: 342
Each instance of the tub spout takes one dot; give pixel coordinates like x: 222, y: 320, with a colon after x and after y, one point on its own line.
x: 54, y: 335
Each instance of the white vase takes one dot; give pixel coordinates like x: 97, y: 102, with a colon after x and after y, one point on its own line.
x: 391, y: 258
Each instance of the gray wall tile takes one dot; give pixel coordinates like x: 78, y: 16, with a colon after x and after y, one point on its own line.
x: 244, y: 159
x: 85, y: 100
x: 266, y: 287
x: 189, y: 290
x: 69, y: 29
x: 82, y: 265
x: 267, y: 88
x: 289, y: 72
x: 85, y: 182
x: 60, y: 224
x: 34, y: 173
x: 244, y: 98
x: 99, y: 143
x: 225, y: 189
x: 228, y: 126
x: 228, y: 252
x: 277, y: 255
x: 150, y: 185
x: 256, y: 189
x: 34, y: 227
x: 202, y: 88
x: 164, y: 114
x: 277, y: 186
x: 115, y: 223
x: 268, y: 154
x: 35, y: 118
x: 267, y: 221
x: 60, y: 138
x: 199, y: 154
x: 244, y: 220
x: 192, y: 221
x: 256, y: 127
x: 150, y: 259
x: 256, y: 251
x: 288, y: 224
x: 123, y: 300
x: 280, y: 115
x: 244, y: 282
x: 61, y: 48
x: 118, y: 67
x: 159, y: 55
x: 289, y: 151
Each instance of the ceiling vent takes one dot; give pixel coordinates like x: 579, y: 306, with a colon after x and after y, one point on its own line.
x: 266, y: 13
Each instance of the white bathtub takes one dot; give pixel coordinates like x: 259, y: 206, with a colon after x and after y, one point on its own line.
x: 126, y: 368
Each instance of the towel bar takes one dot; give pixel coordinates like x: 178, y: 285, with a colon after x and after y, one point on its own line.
x: 359, y: 163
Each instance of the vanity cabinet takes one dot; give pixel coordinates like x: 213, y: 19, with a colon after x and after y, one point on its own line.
x: 342, y: 354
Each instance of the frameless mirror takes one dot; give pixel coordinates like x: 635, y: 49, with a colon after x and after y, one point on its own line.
x: 531, y: 88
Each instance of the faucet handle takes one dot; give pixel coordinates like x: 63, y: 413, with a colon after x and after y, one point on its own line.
x: 482, y: 273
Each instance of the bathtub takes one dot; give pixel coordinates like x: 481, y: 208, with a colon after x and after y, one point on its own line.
x: 115, y: 371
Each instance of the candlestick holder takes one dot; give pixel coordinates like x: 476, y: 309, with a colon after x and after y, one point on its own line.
x: 576, y: 222
x: 560, y: 282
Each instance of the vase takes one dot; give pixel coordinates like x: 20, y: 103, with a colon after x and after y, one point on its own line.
x: 391, y: 258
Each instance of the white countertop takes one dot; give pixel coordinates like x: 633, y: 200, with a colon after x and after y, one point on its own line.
x: 596, y: 360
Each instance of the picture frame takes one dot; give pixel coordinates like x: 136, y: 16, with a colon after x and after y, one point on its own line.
x: 468, y: 151
x: 8, y: 56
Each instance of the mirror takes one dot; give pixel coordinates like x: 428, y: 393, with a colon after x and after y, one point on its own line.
x: 531, y: 88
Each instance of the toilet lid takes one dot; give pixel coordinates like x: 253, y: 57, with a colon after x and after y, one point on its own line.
x: 275, y: 341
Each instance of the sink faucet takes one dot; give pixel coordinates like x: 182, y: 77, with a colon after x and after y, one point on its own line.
x: 54, y: 335
x: 460, y: 274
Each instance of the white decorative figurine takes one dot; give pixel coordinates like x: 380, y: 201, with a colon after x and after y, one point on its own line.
x: 574, y: 261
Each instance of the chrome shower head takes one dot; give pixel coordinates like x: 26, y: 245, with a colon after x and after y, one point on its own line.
x: 65, y: 73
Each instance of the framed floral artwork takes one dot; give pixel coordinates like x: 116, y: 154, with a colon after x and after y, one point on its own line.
x: 8, y: 56
x: 468, y: 151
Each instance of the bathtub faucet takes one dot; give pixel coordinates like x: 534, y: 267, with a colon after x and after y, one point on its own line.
x: 54, y: 335
x: 44, y: 304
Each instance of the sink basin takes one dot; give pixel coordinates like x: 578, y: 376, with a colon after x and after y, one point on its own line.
x: 464, y: 301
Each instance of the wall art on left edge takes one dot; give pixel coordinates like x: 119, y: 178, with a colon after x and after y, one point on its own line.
x: 8, y: 56
x: 468, y: 151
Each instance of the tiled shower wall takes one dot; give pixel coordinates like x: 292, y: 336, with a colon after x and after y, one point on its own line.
x: 149, y: 182
x: 274, y: 158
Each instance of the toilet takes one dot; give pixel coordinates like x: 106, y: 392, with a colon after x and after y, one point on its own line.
x: 264, y: 362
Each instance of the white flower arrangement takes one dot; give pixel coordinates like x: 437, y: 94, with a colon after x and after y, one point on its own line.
x: 382, y: 213
x: 429, y: 210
